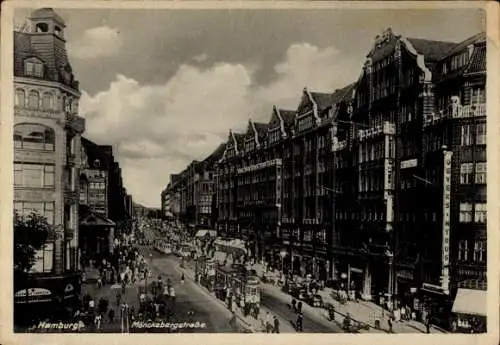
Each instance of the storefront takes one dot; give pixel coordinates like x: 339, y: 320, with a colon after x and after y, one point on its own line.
x: 469, y: 311
x: 42, y: 296
x: 96, y: 235
x: 435, y: 301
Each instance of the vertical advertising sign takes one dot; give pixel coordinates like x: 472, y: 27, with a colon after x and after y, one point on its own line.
x: 446, y: 220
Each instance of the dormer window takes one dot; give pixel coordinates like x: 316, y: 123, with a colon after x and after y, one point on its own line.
x: 42, y: 27
x: 58, y: 31
x: 97, y: 163
x: 33, y: 68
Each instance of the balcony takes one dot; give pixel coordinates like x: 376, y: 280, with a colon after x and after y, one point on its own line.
x: 457, y: 111
x: 75, y: 122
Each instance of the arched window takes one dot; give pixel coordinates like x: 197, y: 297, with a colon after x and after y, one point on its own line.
x: 48, y: 101
x: 34, y: 137
x: 20, y: 98
x: 33, y: 100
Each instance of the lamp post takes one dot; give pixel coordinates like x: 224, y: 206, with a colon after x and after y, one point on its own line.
x: 283, y: 254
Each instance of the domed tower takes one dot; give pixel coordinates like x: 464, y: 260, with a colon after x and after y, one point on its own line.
x: 47, y: 139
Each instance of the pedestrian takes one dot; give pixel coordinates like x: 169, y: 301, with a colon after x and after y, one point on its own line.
x: 182, y: 278
x: 276, y: 325
x: 111, y: 315
x: 428, y: 323
x: 269, y: 326
x: 99, y: 282
x: 97, y: 321
x: 299, y: 307
x: 294, y: 303
x: 118, y: 298
x: 389, y: 323
x: 298, y: 325
x: 123, y: 287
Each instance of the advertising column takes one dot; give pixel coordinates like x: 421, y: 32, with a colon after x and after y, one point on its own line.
x: 445, y: 261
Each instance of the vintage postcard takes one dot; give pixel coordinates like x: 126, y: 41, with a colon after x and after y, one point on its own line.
x: 250, y: 167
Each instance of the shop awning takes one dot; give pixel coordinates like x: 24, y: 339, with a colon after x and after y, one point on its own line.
x: 203, y: 233
x: 470, y: 302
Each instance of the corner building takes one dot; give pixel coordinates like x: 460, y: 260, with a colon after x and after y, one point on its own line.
x: 47, y: 132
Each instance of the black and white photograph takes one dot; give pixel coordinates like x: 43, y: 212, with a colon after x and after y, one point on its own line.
x: 248, y: 169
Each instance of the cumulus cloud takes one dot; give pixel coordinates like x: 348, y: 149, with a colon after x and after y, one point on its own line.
x: 159, y: 129
x: 97, y: 42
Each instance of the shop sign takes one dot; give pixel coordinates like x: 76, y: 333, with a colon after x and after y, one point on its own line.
x: 405, y: 274
x: 35, y: 292
x: 410, y: 163
x: 446, y: 220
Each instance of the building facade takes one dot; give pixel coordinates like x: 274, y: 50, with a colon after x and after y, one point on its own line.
x: 47, y: 133
x: 189, y: 195
x: 338, y: 183
x: 97, y: 231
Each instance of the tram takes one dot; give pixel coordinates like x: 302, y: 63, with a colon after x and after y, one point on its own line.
x: 205, y: 272
x: 237, y: 283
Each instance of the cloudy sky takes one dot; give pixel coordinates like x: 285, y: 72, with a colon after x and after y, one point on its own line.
x: 165, y: 86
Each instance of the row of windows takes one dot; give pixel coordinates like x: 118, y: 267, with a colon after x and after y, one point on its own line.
x: 468, y: 175
x: 45, y: 209
x: 34, y: 175
x: 204, y: 209
x: 373, y: 151
x: 478, y: 251
x: 97, y: 185
x: 466, y: 211
x: 470, y: 131
x: 46, y: 102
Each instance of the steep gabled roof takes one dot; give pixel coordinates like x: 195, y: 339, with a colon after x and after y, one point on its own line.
x: 323, y: 100
x: 288, y: 117
x: 383, y: 51
x: 481, y: 36
x: 240, y: 138
x: 431, y: 50
x: 215, y: 156
x: 261, y: 128
x: 478, y: 59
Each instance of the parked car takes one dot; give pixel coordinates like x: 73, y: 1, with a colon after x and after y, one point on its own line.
x: 303, y: 295
x: 315, y: 301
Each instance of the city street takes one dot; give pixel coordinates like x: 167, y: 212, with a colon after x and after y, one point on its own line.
x: 311, y: 323
x: 189, y: 297
x: 166, y: 266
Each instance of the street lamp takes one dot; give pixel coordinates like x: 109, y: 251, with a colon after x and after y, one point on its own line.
x: 283, y: 254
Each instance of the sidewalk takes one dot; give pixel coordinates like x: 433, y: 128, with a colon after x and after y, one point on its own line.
x: 250, y: 323
x: 368, y: 312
